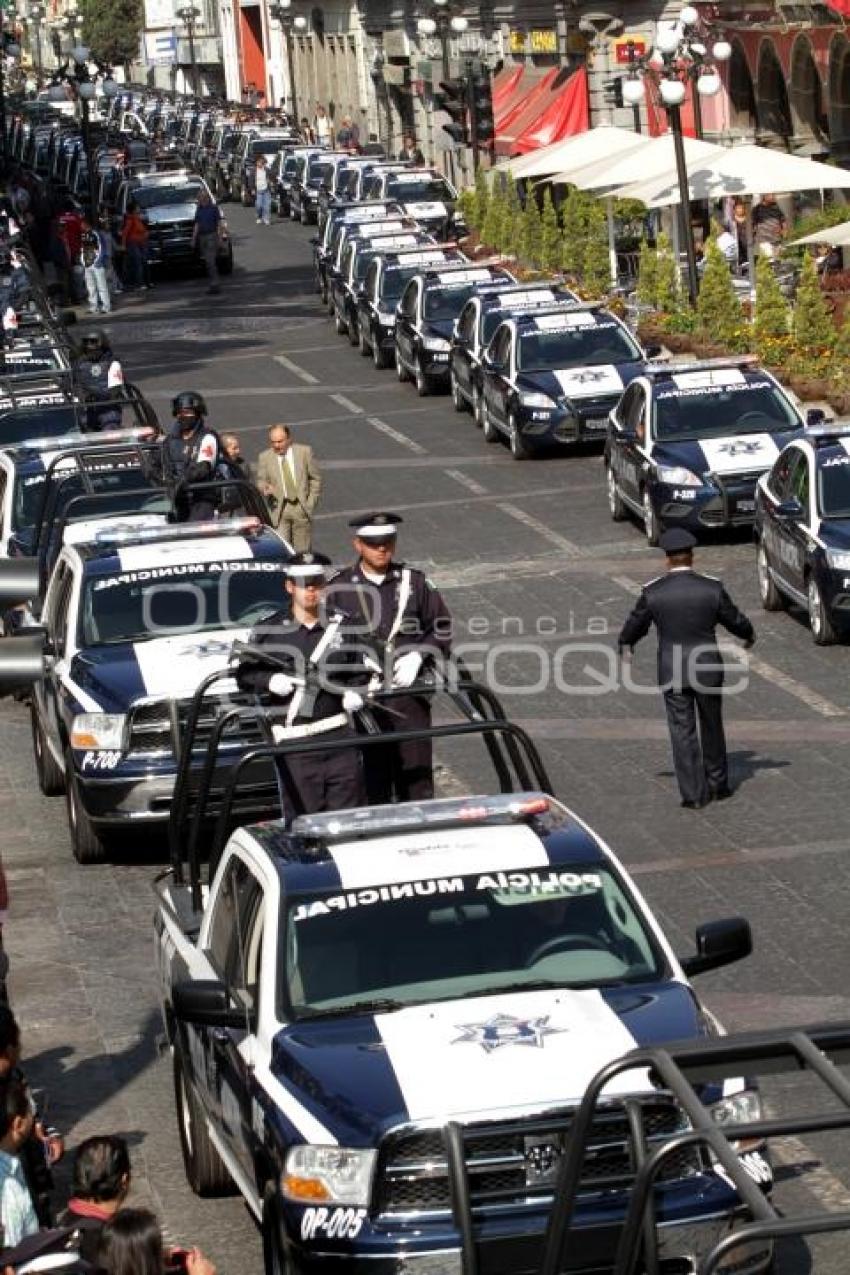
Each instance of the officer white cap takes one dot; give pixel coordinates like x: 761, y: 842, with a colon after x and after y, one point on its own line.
x: 376, y: 526
x: 307, y: 568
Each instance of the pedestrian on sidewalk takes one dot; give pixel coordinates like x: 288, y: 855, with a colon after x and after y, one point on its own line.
x: 205, y: 237
x: 101, y: 1184
x: 263, y: 193
x: 134, y: 241
x: 93, y: 255
x: 17, y: 1211
x: 686, y: 608
x: 289, y: 478
x: 110, y: 243
x: 322, y: 126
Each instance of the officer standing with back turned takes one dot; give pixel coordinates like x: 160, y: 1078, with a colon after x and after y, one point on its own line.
x: 686, y: 608
x: 397, y: 609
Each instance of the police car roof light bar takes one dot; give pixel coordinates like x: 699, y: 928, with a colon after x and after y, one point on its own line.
x: 73, y: 442
x: 185, y: 531
x: 412, y: 816
x: 702, y: 365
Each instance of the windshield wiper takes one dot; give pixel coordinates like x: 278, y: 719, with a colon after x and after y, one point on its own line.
x: 381, y: 1005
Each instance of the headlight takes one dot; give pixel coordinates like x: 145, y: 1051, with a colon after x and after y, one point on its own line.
x: 436, y: 343
x: 95, y: 731
x: 328, y: 1174
x: 738, y: 1108
x: 677, y: 476
x: 839, y: 559
x: 538, y: 400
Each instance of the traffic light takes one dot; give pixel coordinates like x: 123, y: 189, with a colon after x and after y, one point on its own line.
x: 452, y: 99
x: 481, y: 104
x: 614, y: 91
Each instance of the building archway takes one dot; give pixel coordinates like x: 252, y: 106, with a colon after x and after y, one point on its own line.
x: 772, y: 106
x: 743, y: 115
x: 808, y: 107
x: 839, y: 97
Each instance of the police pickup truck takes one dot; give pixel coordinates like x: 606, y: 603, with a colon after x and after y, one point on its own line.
x: 354, y: 982
x: 687, y: 443
x: 50, y: 406
x: 132, y: 620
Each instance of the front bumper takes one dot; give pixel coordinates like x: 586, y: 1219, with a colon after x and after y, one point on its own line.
x: 560, y: 425
x: 121, y: 800
x: 435, y: 364
x: 732, y: 504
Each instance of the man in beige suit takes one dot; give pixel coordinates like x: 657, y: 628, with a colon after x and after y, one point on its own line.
x: 289, y: 478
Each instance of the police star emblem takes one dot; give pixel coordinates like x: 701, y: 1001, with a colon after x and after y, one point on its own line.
x: 740, y: 447
x: 505, y: 1029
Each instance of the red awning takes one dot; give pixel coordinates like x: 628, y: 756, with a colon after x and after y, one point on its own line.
x: 567, y: 114
x: 513, y: 123
x: 506, y: 83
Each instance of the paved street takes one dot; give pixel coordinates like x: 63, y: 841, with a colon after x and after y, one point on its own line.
x: 531, y: 565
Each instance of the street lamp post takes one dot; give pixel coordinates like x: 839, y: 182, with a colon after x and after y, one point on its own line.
x: 281, y: 12
x: 10, y: 50
x: 189, y: 15
x: 35, y: 17
x: 443, y: 21
x: 678, y: 59
x: 84, y: 83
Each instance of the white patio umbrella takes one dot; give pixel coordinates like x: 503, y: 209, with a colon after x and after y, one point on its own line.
x: 835, y: 236
x: 592, y: 147
x: 654, y: 158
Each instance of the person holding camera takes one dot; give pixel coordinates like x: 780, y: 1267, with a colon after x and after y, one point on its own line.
x: 131, y: 1244
x: 101, y: 1184
x: 289, y: 478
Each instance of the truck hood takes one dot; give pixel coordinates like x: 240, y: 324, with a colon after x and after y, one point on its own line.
x: 473, y: 1058
x: 116, y: 675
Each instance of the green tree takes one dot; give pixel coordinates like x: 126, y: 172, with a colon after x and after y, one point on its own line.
x: 771, y: 319
x: 668, y: 287
x: 510, y: 225
x: 718, y: 308
x: 491, y: 227
x: 551, y: 234
x: 574, y: 220
x: 480, y: 200
x: 841, y: 349
x: 647, y: 283
x: 112, y: 29
x: 811, y: 325
x: 596, y: 261
x: 466, y: 206
x: 532, y: 232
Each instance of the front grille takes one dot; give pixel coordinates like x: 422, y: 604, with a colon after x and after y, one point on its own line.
x: 514, y: 1164
x: 160, y: 725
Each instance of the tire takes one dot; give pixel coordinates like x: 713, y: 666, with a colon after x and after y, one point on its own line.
x: 615, y: 504
x: 379, y: 358
x: 51, y: 780
x: 491, y: 434
x: 305, y: 216
x: 520, y: 449
x: 819, y: 622
x: 423, y: 382
x: 458, y: 401
x: 651, y: 528
x: 245, y: 196
x: 274, y: 1259
x: 340, y: 325
x: 771, y: 598
x: 478, y: 407
x: 87, y: 844
x: 206, y: 1172
x: 400, y: 370
x: 362, y: 341
x: 353, y: 333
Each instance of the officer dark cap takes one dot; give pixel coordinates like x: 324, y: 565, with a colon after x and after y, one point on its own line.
x: 677, y: 540
x: 307, y: 566
x: 376, y: 526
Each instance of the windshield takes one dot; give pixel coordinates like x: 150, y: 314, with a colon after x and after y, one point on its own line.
x: 44, y: 422
x: 395, y: 281
x: 267, y: 145
x: 110, y: 488
x: 443, y: 304
x: 575, y: 347
x: 745, y: 408
x: 834, y: 487
x: 317, y: 173
x: 204, y: 597
x: 290, y: 166
x: 452, y: 937
x: 422, y: 189
x: 166, y: 196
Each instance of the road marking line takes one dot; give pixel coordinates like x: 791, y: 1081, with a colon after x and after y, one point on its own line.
x: 535, y: 524
x: 307, y: 377
x: 398, y: 437
x: 465, y: 481
x: 347, y: 404
x: 816, y: 702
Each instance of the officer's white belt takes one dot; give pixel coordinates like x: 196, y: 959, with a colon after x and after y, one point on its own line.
x: 321, y: 727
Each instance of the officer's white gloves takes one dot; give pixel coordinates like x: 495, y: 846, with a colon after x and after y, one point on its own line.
x: 352, y: 702
x: 406, y: 669
x: 281, y: 685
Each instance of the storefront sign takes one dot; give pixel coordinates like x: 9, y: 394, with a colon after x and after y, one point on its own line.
x: 534, y: 41
x: 622, y: 55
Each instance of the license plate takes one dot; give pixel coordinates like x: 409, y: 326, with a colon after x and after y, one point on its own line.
x: 745, y: 506
x: 596, y: 422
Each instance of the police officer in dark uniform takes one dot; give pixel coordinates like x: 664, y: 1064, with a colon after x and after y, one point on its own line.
x: 11, y: 295
x: 193, y: 452
x: 404, y: 616
x: 686, y: 608
x: 316, y: 673
x: 101, y: 377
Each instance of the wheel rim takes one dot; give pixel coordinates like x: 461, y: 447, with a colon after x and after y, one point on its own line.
x: 516, y: 446
x: 815, y: 616
x: 185, y: 1114
x: 648, y: 517
x: 476, y: 407
x: 612, y: 492
x: 763, y: 573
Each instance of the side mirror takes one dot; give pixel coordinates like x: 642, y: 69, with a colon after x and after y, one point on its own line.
x: 21, y: 660
x: 206, y: 1003
x: 815, y: 416
x: 788, y: 510
x: 653, y: 351
x: 719, y: 943
x: 19, y: 582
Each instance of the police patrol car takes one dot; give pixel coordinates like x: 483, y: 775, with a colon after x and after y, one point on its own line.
x: 36, y: 353
x: 802, y: 530
x: 326, y: 245
x: 386, y: 279
x: 358, y: 980
x: 554, y: 377
x: 133, y: 620
x: 476, y: 325
x: 306, y: 183
x: 687, y: 443
x: 424, y: 194
x: 347, y: 283
x: 368, y: 230
x: 429, y: 306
